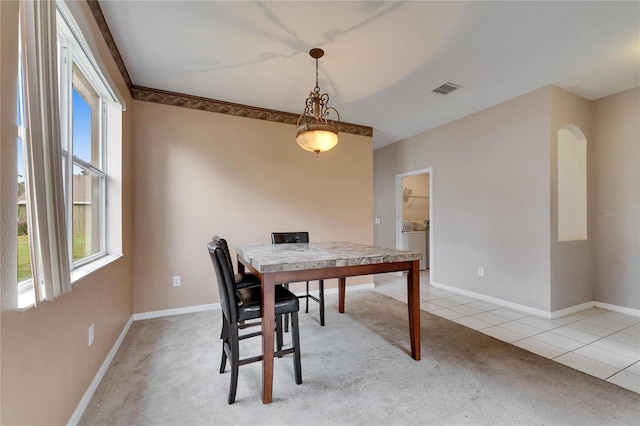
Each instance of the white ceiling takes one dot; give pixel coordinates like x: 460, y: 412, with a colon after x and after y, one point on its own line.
x: 382, y: 58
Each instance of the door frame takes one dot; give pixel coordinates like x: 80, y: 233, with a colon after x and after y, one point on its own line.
x: 399, y: 206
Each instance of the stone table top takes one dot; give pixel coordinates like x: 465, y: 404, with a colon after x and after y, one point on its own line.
x: 302, y: 256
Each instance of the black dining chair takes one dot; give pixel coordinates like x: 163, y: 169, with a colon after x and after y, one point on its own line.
x: 241, y: 304
x: 241, y: 280
x: 300, y: 237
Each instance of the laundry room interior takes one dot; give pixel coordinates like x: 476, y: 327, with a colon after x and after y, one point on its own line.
x: 416, y: 224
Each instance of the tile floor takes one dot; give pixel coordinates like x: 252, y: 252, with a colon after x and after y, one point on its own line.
x: 598, y: 342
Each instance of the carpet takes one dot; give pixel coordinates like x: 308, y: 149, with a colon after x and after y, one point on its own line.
x: 356, y: 371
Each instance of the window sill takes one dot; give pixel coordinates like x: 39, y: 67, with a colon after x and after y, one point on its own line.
x: 82, y: 271
x: 26, y: 295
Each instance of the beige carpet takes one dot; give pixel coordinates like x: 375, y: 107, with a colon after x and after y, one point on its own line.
x: 356, y: 370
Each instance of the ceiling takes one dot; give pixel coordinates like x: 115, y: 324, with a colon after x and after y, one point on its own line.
x: 382, y: 58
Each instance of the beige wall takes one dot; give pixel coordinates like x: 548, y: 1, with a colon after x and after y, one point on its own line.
x: 46, y: 363
x: 495, y: 195
x: 489, y: 200
x: 8, y: 152
x: 615, y: 205
x: 199, y: 173
x: 571, y: 275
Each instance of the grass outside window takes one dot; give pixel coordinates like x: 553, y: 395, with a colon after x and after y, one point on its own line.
x: 80, y: 244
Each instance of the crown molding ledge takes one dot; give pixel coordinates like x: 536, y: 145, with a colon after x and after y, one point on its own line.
x: 223, y: 107
x: 96, y: 11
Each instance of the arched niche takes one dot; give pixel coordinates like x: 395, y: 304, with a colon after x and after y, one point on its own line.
x: 572, y: 184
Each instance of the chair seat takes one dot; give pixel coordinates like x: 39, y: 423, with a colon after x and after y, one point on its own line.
x: 246, y: 280
x: 249, y: 302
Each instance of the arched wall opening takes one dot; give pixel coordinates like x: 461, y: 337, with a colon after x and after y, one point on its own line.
x: 572, y: 184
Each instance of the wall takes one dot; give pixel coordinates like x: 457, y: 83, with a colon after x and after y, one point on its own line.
x: 615, y: 205
x: 199, y: 173
x: 46, y: 363
x: 571, y: 277
x: 604, y: 268
x: 8, y: 155
x: 490, y: 199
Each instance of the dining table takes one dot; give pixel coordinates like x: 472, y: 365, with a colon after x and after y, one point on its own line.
x: 288, y: 263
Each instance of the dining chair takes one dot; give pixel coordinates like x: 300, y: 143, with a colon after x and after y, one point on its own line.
x: 241, y: 304
x: 241, y: 280
x: 300, y: 237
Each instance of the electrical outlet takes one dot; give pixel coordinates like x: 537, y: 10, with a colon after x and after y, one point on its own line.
x: 377, y: 221
x: 91, y: 335
x: 480, y: 271
x: 176, y: 281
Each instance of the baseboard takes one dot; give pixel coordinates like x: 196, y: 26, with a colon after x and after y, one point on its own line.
x: 348, y: 288
x: 215, y: 306
x: 539, y: 312
x: 495, y: 300
x: 572, y: 310
x: 176, y: 311
x: 84, y: 402
x: 619, y: 309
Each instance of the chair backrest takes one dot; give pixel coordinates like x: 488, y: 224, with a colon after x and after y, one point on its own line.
x: 226, y: 282
x: 289, y: 237
x: 222, y: 243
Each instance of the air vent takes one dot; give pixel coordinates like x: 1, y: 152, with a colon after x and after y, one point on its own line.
x: 446, y: 88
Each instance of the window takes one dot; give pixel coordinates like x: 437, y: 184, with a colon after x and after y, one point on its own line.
x: 90, y: 137
x: 24, y: 253
x: 83, y: 159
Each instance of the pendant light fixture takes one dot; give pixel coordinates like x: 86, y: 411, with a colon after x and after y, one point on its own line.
x: 314, y: 131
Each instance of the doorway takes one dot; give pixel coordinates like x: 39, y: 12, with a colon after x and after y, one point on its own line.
x: 414, y: 206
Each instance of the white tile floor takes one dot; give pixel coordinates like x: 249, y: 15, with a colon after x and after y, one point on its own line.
x: 598, y: 342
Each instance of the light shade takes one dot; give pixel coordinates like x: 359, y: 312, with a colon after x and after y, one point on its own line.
x: 316, y: 137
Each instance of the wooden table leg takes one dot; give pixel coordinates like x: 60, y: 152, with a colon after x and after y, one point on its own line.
x: 268, y: 325
x: 342, y: 284
x: 413, y: 303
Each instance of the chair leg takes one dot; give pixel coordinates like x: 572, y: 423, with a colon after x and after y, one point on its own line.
x: 321, y: 297
x: 295, y: 336
x: 224, y: 335
x: 279, y: 339
x: 235, y: 361
x: 307, y: 293
x: 286, y: 316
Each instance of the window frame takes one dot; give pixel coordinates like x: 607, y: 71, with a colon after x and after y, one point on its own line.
x: 25, y: 287
x: 73, y: 61
x: 73, y: 48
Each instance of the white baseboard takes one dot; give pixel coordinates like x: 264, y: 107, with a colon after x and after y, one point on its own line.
x: 495, y: 300
x: 571, y: 310
x: 334, y: 290
x: 619, y: 309
x: 539, y: 312
x: 84, y: 402
x: 176, y: 311
x: 215, y: 306
x: 351, y: 288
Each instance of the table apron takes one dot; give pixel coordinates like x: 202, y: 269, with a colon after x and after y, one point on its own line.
x: 333, y: 272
